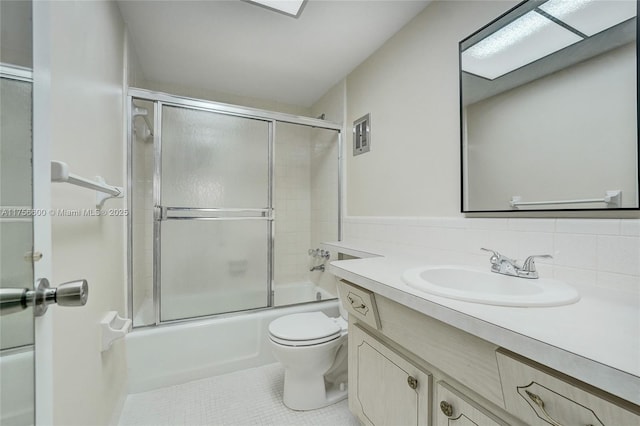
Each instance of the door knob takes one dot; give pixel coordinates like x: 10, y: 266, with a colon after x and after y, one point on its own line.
x: 73, y: 293
x: 446, y: 408
x: 412, y: 382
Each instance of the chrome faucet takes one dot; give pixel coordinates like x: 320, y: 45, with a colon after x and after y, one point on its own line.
x: 503, y: 265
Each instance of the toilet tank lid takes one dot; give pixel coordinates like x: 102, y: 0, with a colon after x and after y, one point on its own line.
x: 304, y: 326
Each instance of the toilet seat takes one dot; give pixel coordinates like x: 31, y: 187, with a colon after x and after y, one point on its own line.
x: 305, y: 329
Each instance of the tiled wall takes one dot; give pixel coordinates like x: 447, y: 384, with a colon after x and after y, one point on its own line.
x: 306, y: 198
x: 324, y: 196
x: 292, y: 203
x: 324, y: 186
x: 601, y: 252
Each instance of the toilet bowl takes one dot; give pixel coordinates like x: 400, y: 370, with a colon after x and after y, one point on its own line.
x: 312, y: 348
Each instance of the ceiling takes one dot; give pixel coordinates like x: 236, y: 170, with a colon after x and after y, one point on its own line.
x: 236, y: 47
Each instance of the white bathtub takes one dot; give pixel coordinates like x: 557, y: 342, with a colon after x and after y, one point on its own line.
x: 178, y: 353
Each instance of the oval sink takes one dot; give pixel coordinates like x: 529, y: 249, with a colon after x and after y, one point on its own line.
x: 472, y: 285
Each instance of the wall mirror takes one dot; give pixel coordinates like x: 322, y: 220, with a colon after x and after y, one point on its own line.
x: 549, y: 115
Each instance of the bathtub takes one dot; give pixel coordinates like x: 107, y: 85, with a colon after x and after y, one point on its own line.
x: 17, y: 383
x: 181, y: 352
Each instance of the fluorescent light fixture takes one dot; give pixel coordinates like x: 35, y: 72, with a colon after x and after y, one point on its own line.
x: 289, y: 7
x: 591, y: 16
x: 525, y: 40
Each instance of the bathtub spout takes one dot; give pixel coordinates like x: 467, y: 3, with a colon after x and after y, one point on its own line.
x: 317, y: 268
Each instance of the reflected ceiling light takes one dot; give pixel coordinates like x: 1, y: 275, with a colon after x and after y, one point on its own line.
x: 288, y: 7
x: 525, y: 40
x: 591, y: 16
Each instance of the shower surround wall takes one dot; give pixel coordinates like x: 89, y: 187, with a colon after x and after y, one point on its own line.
x: 292, y: 203
x: 306, y: 201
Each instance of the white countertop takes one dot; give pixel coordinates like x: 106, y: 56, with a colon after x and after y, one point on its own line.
x: 596, y: 340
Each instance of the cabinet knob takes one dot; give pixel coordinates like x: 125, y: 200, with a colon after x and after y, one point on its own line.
x: 447, y: 409
x: 413, y: 382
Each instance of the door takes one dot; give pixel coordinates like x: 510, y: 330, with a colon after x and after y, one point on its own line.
x: 213, y: 212
x: 384, y: 387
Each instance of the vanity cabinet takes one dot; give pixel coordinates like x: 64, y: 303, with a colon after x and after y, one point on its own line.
x: 396, y: 353
x: 388, y: 389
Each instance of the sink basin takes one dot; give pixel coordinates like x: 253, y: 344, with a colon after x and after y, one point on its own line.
x: 473, y: 285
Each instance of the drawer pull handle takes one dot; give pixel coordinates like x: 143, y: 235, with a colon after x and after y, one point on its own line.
x: 412, y: 382
x: 355, y: 306
x: 540, y: 403
x: 446, y: 408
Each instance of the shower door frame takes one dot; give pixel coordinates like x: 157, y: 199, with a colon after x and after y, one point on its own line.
x: 160, y: 99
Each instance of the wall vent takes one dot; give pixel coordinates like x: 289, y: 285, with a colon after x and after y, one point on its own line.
x: 362, y: 135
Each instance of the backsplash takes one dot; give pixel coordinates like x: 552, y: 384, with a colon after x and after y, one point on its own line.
x: 600, y: 252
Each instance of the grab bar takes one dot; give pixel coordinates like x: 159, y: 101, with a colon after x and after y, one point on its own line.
x: 60, y: 173
x: 611, y: 198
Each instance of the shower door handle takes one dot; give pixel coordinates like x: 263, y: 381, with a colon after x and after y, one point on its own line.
x: 73, y: 293
x: 163, y: 213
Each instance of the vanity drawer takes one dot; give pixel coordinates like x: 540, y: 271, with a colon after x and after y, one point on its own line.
x: 360, y: 303
x: 541, y: 396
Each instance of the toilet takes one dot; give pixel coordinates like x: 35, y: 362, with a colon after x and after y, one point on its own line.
x: 312, y: 348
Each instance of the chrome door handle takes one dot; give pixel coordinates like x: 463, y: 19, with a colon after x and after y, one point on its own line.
x: 73, y: 293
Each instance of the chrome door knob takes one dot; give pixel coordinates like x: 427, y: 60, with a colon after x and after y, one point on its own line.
x: 73, y: 293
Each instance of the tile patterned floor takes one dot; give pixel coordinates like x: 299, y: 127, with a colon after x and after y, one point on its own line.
x: 242, y: 398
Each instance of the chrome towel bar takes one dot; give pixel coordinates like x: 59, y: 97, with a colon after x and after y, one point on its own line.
x: 611, y: 198
x: 60, y: 173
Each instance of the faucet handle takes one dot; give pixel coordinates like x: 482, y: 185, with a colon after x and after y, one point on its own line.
x: 495, y: 256
x: 529, y: 264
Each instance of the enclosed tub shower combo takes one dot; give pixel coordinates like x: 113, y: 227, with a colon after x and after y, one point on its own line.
x: 227, y: 208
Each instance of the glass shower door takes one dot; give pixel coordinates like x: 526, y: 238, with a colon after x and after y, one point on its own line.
x: 213, y: 213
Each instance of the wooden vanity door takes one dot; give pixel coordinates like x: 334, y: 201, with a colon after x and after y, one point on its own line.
x: 386, y: 388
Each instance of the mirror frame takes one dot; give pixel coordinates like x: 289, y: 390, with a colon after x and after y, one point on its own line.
x: 597, y: 212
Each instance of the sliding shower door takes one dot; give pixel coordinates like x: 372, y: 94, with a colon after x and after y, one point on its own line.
x: 213, y: 213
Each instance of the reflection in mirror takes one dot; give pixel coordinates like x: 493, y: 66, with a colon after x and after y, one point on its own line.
x: 549, y: 108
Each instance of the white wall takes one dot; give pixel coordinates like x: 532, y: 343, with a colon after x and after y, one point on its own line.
x: 406, y: 191
x: 87, y: 49
x: 410, y: 87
